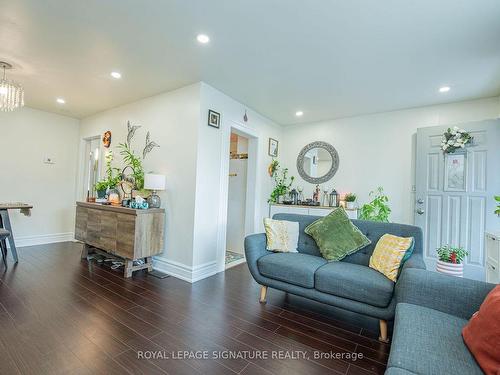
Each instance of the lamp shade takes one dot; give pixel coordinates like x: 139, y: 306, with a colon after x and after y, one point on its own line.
x: 154, y: 181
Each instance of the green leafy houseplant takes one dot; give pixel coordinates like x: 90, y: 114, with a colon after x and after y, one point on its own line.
x: 283, y: 184
x: 450, y: 254
x: 350, y: 197
x: 378, y: 209
x: 497, y: 210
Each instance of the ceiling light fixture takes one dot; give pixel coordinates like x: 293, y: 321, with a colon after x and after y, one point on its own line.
x: 203, y: 39
x: 299, y: 113
x: 60, y: 100
x: 116, y: 75
x: 11, y: 93
x: 444, y: 89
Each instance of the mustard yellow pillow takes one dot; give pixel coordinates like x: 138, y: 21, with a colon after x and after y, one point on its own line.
x: 389, y: 253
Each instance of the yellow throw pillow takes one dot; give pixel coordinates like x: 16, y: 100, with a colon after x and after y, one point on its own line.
x: 389, y: 253
x: 282, y: 236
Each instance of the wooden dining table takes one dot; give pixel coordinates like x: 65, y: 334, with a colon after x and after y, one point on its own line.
x: 25, y: 209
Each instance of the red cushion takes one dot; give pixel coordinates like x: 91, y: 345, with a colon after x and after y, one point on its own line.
x: 482, y: 333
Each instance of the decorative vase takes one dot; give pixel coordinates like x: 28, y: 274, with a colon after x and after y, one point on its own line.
x: 350, y: 205
x: 452, y: 269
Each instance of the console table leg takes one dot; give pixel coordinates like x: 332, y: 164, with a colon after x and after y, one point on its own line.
x: 128, y: 268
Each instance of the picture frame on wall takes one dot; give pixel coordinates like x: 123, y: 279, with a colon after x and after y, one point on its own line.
x: 455, y: 172
x: 213, y: 119
x: 273, y: 148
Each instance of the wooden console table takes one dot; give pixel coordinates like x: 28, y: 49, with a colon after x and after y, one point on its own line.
x: 128, y: 233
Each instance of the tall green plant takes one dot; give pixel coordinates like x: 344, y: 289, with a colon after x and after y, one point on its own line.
x: 378, y: 209
x: 282, y: 184
x: 134, y: 162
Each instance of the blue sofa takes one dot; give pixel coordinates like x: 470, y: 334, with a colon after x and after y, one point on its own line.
x: 431, y: 311
x: 349, y: 284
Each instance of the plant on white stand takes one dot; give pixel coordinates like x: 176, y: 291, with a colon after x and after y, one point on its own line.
x: 450, y: 260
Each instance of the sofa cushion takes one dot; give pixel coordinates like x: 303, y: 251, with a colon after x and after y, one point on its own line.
x: 293, y: 268
x: 427, y: 341
x: 356, y: 282
x: 282, y: 235
x: 336, y: 235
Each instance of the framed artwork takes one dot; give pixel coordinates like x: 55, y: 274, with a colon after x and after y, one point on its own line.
x: 273, y: 148
x: 455, y: 172
x: 213, y: 119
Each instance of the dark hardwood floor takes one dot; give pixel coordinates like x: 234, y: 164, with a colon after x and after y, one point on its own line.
x: 61, y: 316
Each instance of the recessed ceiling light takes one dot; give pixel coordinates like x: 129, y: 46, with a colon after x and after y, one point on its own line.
x: 60, y: 100
x: 116, y: 75
x: 299, y: 113
x: 444, y: 89
x: 202, y: 38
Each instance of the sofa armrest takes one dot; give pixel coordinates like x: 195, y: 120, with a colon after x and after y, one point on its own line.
x: 448, y: 294
x: 255, y: 248
x: 415, y: 261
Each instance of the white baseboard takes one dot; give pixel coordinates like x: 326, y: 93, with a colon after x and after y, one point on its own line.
x: 184, y: 272
x: 43, y: 239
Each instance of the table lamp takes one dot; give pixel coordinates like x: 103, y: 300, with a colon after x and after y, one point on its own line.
x: 154, y: 182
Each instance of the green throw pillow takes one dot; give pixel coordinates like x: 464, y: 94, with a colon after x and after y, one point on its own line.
x: 336, y: 236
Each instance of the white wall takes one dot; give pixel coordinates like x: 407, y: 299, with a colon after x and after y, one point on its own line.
x: 209, y: 168
x: 378, y: 150
x: 27, y: 136
x: 172, y: 118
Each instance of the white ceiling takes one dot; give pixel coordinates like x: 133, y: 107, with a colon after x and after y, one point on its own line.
x: 330, y: 59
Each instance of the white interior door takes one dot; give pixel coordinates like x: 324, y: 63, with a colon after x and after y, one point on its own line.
x: 452, y: 213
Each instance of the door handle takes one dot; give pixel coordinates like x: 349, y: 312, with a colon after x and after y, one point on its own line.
x: 420, y: 201
x: 420, y: 211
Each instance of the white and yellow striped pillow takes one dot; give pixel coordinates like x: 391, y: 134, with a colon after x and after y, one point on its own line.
x: 282, y: 236
x: 389, y: 253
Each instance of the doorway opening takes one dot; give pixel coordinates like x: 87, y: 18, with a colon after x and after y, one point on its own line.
x: 91, y: 166
x: 239, y: 209
x: 236, y: 200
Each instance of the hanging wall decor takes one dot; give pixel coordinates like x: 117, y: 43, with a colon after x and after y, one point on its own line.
x: 213, y: 119
x: 106, y: 139
x: 455, y: 139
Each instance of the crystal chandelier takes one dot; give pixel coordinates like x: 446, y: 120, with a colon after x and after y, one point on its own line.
x: 11, y: 93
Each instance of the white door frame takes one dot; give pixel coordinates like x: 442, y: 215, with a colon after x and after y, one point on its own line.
x: 83, y: 159
x: 253, y: 186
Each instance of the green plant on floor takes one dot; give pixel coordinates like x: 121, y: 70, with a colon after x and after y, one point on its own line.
x: 450, y: 254
x: 497, y: 210
x: 350, y: 197
x: 378, y: 209
x: 282, y: 184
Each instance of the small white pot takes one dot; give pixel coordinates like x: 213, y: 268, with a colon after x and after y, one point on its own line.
x: 451, y: 269
x: 350, y: 205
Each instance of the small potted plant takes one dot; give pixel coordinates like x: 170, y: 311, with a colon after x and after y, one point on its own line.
x: 350, y: 201
x: 497, y: 209
x: 450, y: 260
x: 101, y: 187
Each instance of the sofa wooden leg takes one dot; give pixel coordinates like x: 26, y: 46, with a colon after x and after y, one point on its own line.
x: 383, y: 331
x: 263, y: 293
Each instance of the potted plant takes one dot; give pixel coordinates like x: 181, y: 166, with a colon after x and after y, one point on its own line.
x: 497, y: 210
x: 378, y: 209
x: 101, y: 187
x: 450, y: 260
x: 282, y: 186
x: 350, y: 201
